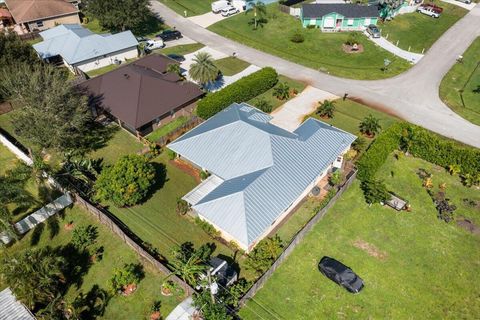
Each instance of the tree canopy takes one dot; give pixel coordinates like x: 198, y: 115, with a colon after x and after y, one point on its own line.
x: 119, y: 15
x: 51, y: 113
x: 127, y: 182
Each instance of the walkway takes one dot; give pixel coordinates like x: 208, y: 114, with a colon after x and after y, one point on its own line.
x: 290, y: 115
x: 412, y: 95
x: 387, y: 45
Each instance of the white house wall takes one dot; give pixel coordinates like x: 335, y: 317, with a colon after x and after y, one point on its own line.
x: 107, y: 60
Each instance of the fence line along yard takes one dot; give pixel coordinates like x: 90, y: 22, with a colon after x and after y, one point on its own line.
x: 103, y: 217
x: 296, y: 240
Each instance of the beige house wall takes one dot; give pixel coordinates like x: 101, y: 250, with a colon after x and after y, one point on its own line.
x: 48, y: 23
x: 107, y: 60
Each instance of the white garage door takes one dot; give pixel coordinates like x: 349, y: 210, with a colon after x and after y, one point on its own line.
x: 329, y: 22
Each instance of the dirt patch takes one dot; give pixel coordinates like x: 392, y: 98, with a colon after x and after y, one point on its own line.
x: 5, y: 107
x: 129, y: 289
x: 187, y: 168
x: 351, y: 49
x: 468, y: 225
x: 69, y: 226
x: 370, y: 249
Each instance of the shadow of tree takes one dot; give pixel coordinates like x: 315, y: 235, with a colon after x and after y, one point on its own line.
x: 77, y: 264
x: 92, y: 304
x: 37, y: 234
x: 160, y: 179
x: 153, y: 23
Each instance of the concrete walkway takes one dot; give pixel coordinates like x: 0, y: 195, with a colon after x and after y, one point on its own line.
x: 290, y: 115
x: 461, y: 4
x: 207, y: 19
x: 387, y: 45
x: 412, y: 95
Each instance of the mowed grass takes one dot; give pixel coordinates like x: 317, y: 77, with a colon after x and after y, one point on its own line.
x: 116, y: 254
x: 429, y: 268
x: 320, y: 51
x: 167, y: 128
x: 182, y: 49
x: 151, y: 27
x: 460, y: 88
x: 121, y: 143
x: 230, y: 66
x: 274, y: 101
x: 348, y: 115
x: 192, y: 7
x: 418, y: 31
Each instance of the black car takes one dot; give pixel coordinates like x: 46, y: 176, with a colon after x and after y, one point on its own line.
x: 168, y: 35
x: 340, y: 274
x: 176, y: 57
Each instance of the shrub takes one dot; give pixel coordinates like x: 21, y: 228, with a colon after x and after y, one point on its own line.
x: 297, y: 37
x: 263, y: 105
x: 207, y: 227
x: 326, y: 109
x: 282, y: 91
x: 182, y: 206
x: 130, y: 274
x: 127, y: 182
x: 353, y: 38
x: 374, y: 191
x: 84, y: 236
x: 264, y: 254
x: 335, y: 178
x: 171, y: 154
x: 204, y: 175
x: 242, y: 90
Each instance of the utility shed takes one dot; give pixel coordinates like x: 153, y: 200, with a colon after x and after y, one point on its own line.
x: 11, y: 308
x: 396, y: 202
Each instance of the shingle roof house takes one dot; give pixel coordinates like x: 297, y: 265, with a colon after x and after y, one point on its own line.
x: 11, y: 309
x: 338, y: 16
x: 80, y: 48
x: 259, y: 171
x: 143, y: 94
x: 42, y: 14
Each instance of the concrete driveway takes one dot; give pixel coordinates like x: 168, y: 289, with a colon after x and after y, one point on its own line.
x: 290, y: 115
x: 207, y: 19
x: 461, y: 4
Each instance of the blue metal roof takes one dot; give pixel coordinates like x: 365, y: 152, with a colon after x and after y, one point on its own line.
x: 76, y: 44
x: 265, y: 168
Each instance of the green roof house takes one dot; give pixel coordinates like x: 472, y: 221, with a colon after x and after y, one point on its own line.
x: 338, y: 17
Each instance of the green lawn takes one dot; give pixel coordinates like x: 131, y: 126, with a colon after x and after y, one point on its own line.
x: 182, y: 49
x: 348, y: 115
x: 193, y: 7
x: 100, y: 71
x: 167, y: 128
x: 427, y: 269
x: 149, y: 29
x: 230, y: 66
x: 460, y: 89
x: 116, y: 254
x: 419, y: 31
x: 270, y: 98
x: 121, y: 143
x: 321, y: 51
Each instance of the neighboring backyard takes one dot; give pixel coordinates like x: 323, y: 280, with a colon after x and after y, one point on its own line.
x: 321, y: 51
x: 418, y: 31
x: 460, y: 88
x: 404, y: 258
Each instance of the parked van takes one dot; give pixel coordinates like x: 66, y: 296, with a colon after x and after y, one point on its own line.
x: 240, y: 5
x: 217, y: 6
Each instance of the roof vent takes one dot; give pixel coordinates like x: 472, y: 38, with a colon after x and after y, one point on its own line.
x: 126, y: 75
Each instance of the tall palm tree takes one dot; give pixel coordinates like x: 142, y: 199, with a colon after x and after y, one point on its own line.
x: 370, y: 125
x: 282, y: 91
x: 326, y: 109
x: 190, y: 269
x: 259, y: 10
x: 203, y: 70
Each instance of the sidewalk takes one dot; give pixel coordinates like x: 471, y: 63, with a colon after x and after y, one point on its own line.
x: 387, y: 45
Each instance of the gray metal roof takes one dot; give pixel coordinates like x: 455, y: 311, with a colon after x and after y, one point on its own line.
x: 11, y: 309
x: 348, y: 10
x: 264, y: 168
x: 75, y: 44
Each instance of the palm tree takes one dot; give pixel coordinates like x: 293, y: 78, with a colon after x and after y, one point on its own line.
x: 190, y: 269
x: 34, y: 275
x: 454, y: 169
x: 282, y: 91
x: 259, y: 10
x: 370, y: 125
x: 175, y: 68
x: 203, y: 70
x: 326, y: 109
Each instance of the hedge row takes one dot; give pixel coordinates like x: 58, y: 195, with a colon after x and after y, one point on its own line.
x: 240, y: 91
x: 424, y: 144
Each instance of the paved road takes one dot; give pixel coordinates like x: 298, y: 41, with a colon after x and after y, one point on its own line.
x: 412, y: 95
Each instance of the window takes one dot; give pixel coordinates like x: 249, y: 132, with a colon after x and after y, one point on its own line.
x: 40, y: 24
x: 367, y: 22
x: 350, y: 22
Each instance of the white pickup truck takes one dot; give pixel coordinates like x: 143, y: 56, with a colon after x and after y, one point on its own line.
x: 429, y: 12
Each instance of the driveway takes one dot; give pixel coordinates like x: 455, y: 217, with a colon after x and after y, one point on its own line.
x: 387, y: 45
x: 207, y: 19
x: 461, y: 4
x: 412, y: 95
x: 291, y: 114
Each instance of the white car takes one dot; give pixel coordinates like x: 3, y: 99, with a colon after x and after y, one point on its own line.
x: 218, y: 6
x: 429, y: 12
x: 228, y: 11
x: 154, y: 44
